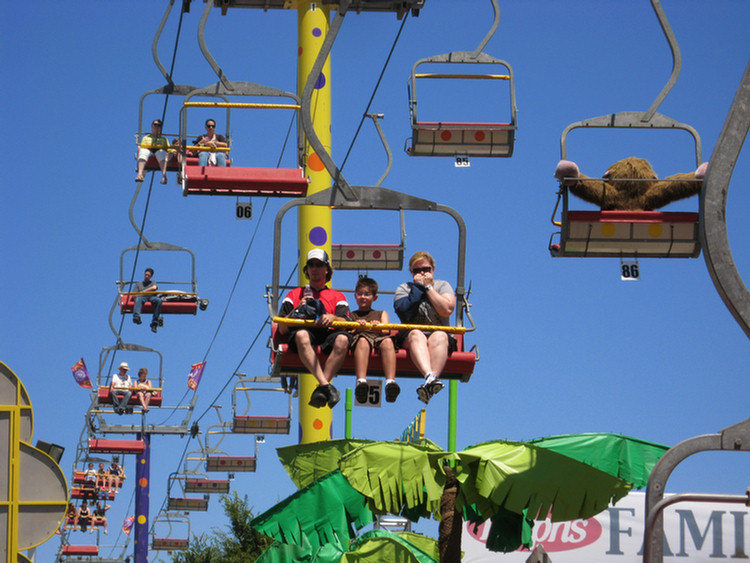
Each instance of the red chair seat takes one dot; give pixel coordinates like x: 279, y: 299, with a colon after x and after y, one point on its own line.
x: 220, y: 180
x: 460, y: 364
x: 104, y: 398
x: 99, y: 445
x: 188, y: 306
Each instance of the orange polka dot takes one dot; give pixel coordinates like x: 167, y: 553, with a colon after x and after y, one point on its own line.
x: 655, y: 230
x: 608, y: 229
x: 314, y: 163
x: 143, y: 482
x: 317, y: 424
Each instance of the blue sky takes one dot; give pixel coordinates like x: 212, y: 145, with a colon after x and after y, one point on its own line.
x: 565, y: 346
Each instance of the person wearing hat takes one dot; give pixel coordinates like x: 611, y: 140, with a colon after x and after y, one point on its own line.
x: 154, y: 143
x: 325, y: 305
x: 119, y: 388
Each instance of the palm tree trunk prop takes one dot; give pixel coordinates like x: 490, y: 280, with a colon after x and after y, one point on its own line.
x: 449, y: 530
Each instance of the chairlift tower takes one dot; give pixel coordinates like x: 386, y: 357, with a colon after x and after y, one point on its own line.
x: 314, y: 222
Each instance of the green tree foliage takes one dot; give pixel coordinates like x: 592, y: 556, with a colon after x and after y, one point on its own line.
x: 240, y: 544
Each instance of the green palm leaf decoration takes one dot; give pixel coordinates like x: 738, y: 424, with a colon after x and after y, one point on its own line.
x: 629, y: 458
x: 567, y: 477
x: 522, y: 477
x: 326, y: 512
x: 383, y: 546
x: 397, y: 475
x: 307, y: 462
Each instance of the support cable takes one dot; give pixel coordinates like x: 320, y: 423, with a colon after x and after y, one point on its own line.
x: 375, y: 90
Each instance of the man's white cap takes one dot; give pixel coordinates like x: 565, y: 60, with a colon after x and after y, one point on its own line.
x: 124, y: 365
x: 318, y: 254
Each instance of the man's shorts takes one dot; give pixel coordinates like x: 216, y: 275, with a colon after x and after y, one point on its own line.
x: 323, y: 337
x: 401, y: 338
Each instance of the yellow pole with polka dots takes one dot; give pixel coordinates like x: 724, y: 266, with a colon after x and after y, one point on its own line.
x: 314, y: 222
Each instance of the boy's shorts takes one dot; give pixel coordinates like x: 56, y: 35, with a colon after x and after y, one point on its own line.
x: 373, y: 338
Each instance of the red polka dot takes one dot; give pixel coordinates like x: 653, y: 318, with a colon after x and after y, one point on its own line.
x: 350, y: 254
x: 479, y: 136
x: 299, y: 51
x: 376, y: 254
x: 446, y: 135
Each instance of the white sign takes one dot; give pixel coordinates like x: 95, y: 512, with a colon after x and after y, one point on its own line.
x: 629, y: 270
x: 462, y: 162
x: 695, y: 532
x: 374, y: 394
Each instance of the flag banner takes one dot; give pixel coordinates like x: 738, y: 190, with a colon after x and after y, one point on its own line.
x: 194, y: 378
x: 81, y: 374
x: 127, y: 524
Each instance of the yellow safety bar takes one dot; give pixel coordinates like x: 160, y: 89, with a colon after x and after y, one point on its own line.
x: 470, y: 76
x: 371, y: 326
x: 152, y: 146
x: 239, y: 105
x: 212, y: 149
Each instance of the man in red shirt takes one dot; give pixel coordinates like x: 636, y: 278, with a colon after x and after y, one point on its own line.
x: 325, y: 305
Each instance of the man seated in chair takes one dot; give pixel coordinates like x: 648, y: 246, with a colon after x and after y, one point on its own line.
x: 317, y: 302
x: 147, y: 285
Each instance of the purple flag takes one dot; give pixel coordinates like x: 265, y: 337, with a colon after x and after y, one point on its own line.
x: 194, y: 378
x: 81, y: 374
x: 127, y: 524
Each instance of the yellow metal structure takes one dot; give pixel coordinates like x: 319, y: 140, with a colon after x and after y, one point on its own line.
x: 33, y: 489
x: 239, y: 105
x: 314, y: 222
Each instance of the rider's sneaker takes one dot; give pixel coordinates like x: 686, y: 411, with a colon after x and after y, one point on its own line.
x: 391, y: 391
x: 426, y: 391
x: 319, y: 397
x: 333, y: 395
x: 361, y: 391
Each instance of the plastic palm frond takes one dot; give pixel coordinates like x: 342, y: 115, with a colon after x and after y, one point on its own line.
x: 307, y: 462
x: 394, y: 476
x: 518, y: 477
x: 631, y: 459
x: 380, y: 546
x: 325, y: 512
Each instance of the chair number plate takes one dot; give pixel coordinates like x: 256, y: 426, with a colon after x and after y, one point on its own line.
x: 374, y: 394
x: 244, y: 210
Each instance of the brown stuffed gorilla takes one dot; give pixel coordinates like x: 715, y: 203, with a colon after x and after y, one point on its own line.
x: 617, y: 191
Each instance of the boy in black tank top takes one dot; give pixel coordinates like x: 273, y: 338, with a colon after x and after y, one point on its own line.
x: 364, y: 341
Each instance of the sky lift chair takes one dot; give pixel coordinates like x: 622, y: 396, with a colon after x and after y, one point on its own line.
x: 218, y: 460
x: 342, y: 195
x: 463, y: 139
x: 183, y: 504
x: 629, y: 234
x: 245, y: 423
x: 178, y: 302
x: 171, y: 541
x: 236, y: 181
